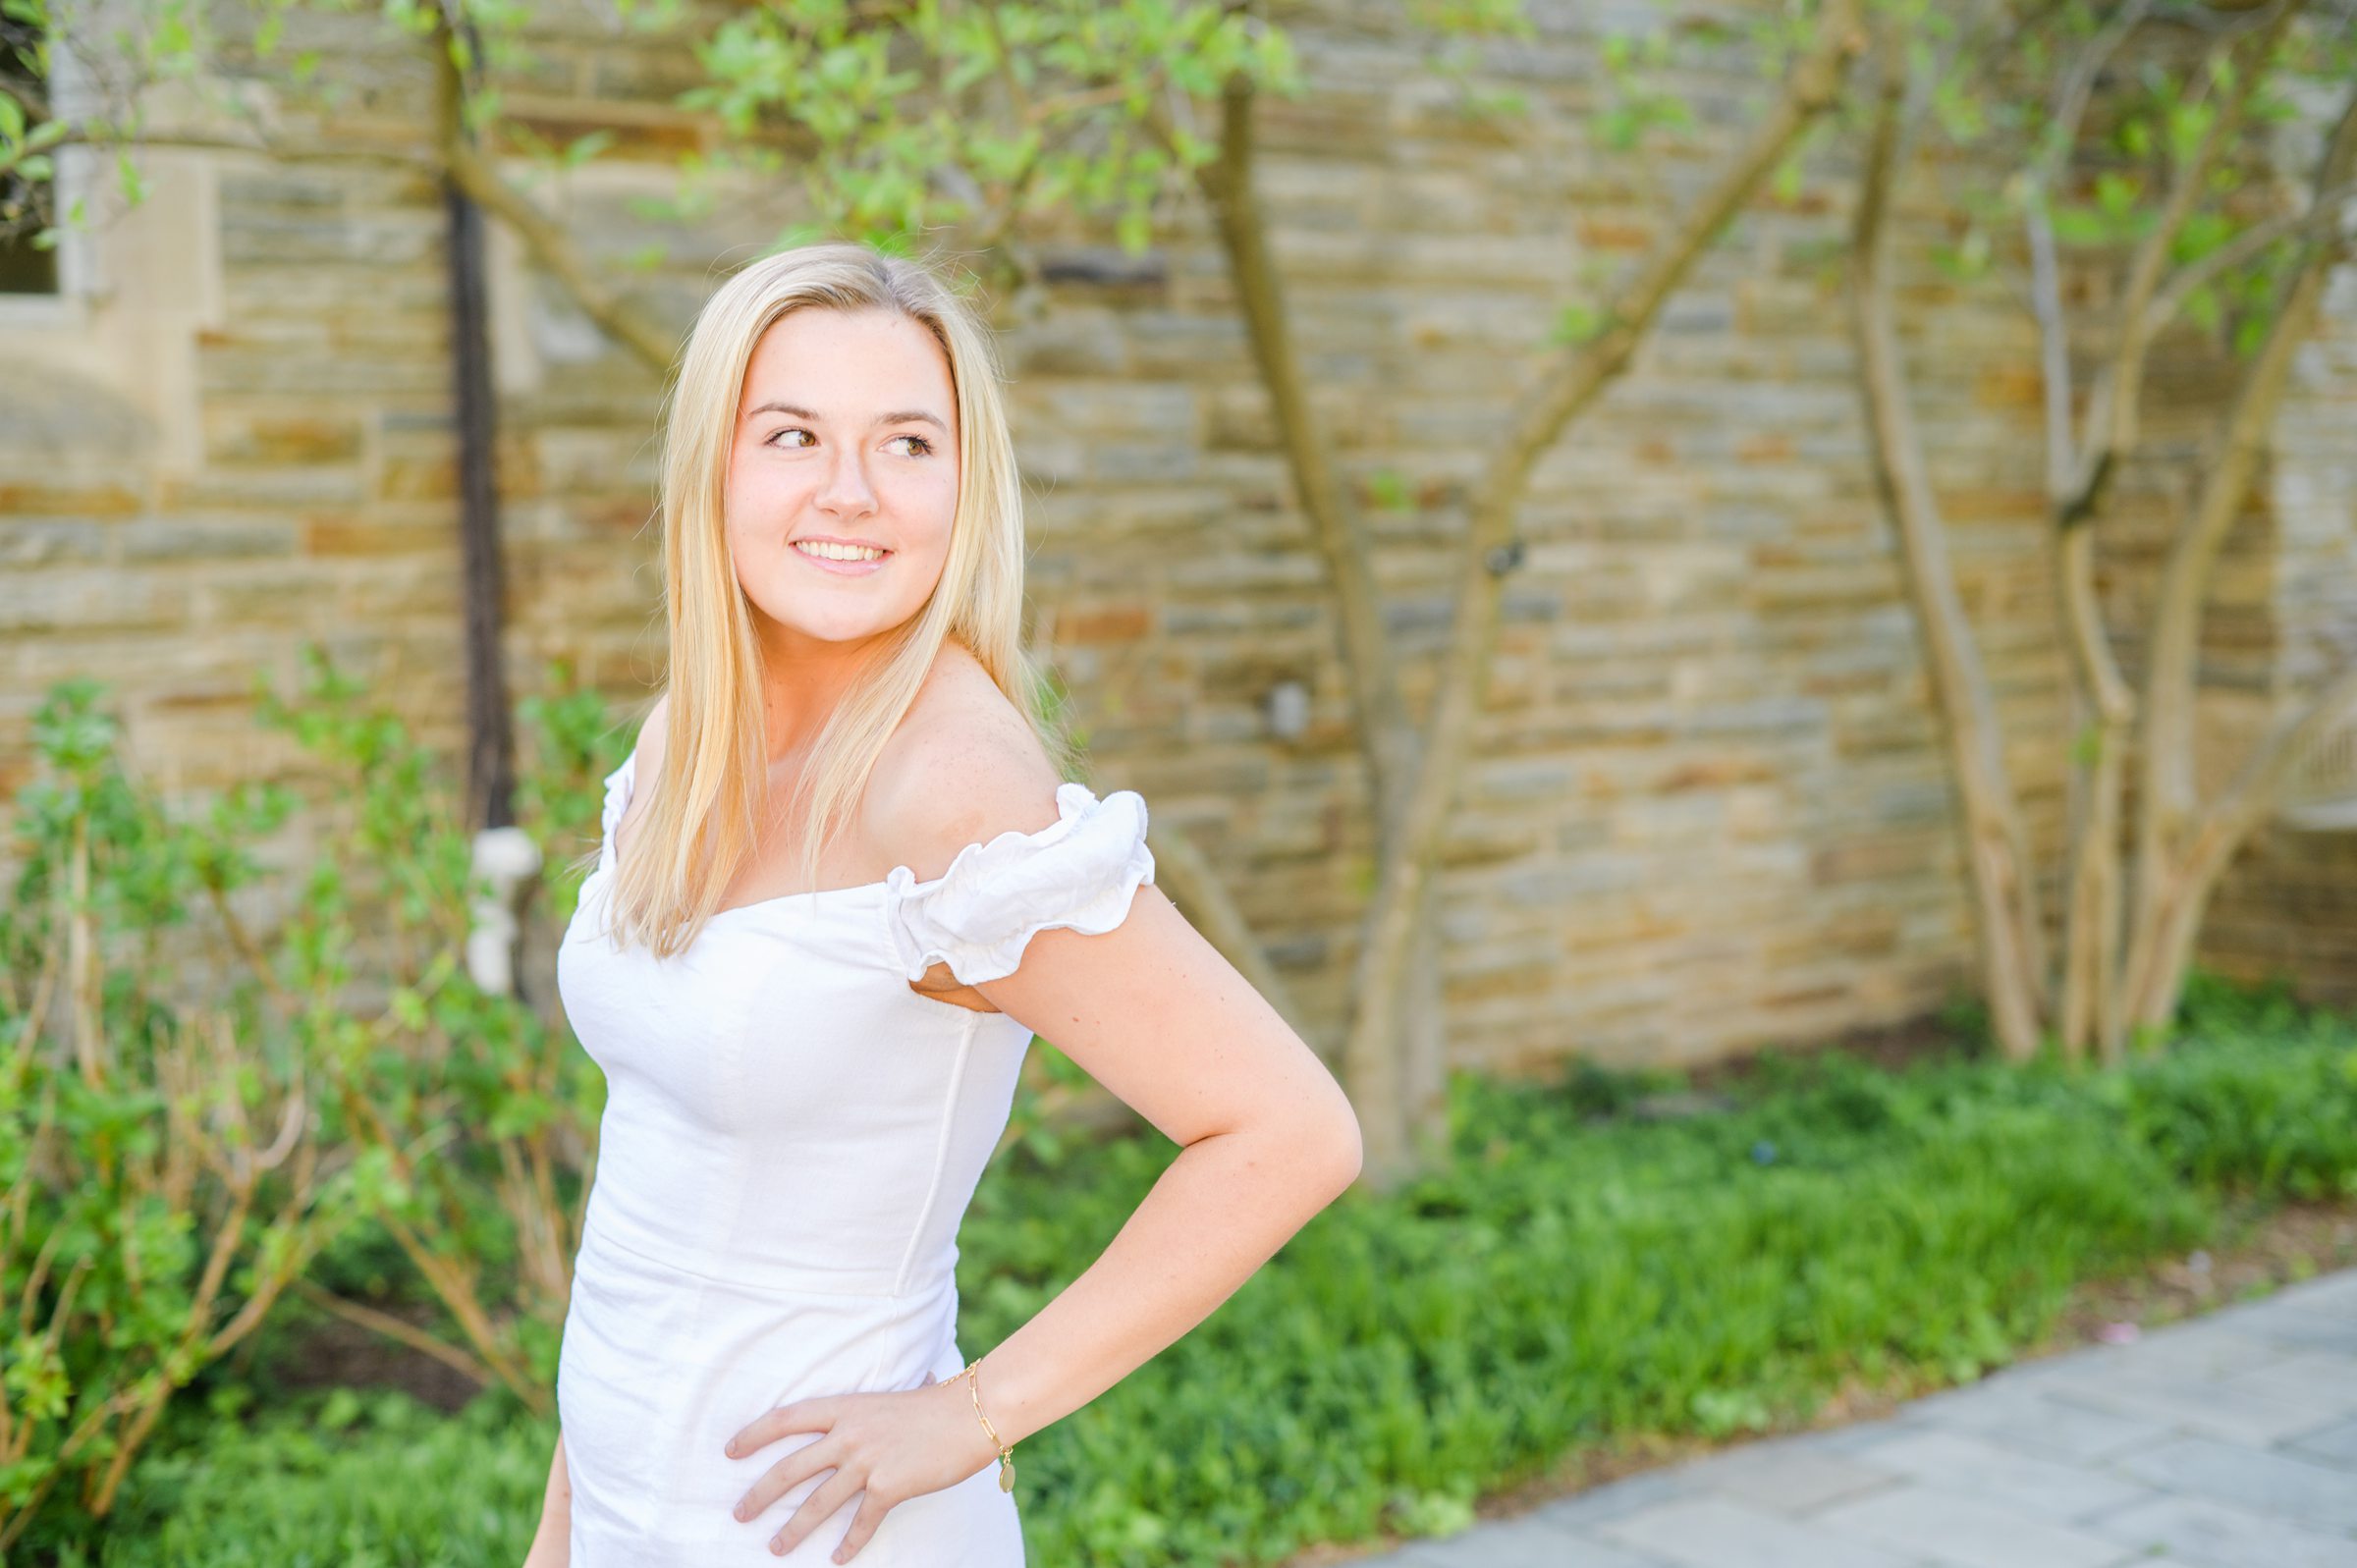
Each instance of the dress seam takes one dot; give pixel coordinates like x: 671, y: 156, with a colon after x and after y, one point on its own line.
x: 941, y: 1151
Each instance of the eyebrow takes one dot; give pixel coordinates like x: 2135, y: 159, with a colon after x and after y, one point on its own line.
x: 904, y: 416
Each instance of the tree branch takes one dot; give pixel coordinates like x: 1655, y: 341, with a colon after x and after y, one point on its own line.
x: 397, y: 1329
x: 1994, y: 842
x: 655, y: 343
x: 2045, y: 277
x: 2243, y: 247
x: 1369, y: 666
x: 2168, y: 771
x: 102, y: 136
x: 2259, y: 784
x: 2152, y: 257
x: 1579, y: 374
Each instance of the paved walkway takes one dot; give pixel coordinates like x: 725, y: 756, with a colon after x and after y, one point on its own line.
x: 2227, y: 1442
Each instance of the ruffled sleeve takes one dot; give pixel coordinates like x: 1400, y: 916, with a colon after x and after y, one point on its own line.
x: 1079, y: 872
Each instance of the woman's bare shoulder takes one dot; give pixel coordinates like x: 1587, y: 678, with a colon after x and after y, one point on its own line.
x: 647, y: 756
x: 964, y: 765
x: 647, y: 753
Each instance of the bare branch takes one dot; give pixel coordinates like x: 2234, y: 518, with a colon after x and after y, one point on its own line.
x: 2259, y: 784
x: 1994, y: 841
x: 654, y: 343
x: 1488, y: 554
x: 2046, y: 281
x: 395, y: 1330
x: 109, y: 138
x: 2184, y: 197
x: 2242, y: 249
x: 1369, y: 665
x: 2168, y: 772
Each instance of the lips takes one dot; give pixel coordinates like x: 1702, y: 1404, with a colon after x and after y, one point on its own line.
x: 842, y: 568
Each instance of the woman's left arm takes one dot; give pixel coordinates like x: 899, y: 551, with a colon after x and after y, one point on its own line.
x: 1157, y: 1015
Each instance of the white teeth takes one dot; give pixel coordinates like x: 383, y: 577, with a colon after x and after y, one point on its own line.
x: 836, y: 552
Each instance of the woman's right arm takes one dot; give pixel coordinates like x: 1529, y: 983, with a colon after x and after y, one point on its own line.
x: 552, y: 1543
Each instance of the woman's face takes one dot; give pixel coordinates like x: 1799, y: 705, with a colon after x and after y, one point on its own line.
x: 847, y: 436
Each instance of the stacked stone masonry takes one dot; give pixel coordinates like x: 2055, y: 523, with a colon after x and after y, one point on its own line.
x: 1708, y: 810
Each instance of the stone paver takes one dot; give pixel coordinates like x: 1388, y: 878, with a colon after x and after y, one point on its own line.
x: 2280, y: 1484
x: 2019, y: 1417
x: 1965, y: 1529
x: 2036, y: 1487
x: 1710, y: 1532
x: 2227, y: 1442
x: 2220, y: 1536
x: 2336, y: 1444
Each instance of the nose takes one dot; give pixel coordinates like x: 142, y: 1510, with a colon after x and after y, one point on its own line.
x: 846, y: 492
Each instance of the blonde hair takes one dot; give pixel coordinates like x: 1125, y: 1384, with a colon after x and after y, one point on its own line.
x: 700, y: 827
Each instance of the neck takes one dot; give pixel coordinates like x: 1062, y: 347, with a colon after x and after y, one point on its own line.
x: 803, y: 678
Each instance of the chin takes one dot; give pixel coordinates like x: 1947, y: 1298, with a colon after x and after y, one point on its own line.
x: 836, y: 625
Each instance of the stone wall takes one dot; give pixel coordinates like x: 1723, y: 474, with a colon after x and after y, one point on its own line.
x: 2288, y: 910
x: 1708, y: 810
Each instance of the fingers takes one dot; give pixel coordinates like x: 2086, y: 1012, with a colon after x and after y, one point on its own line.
x: 820, y: 1505
x: 872, y: 1511
x: 803, y: 1414
x: 789, y: 1473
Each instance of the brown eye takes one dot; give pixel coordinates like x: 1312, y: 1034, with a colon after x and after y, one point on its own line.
x: 790, y: 430
x: 924, y: 447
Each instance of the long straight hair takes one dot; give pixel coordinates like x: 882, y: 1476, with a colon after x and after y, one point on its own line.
x: 700, y: 827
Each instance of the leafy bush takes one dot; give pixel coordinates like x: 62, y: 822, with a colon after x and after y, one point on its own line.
x: 342, y: 1479
x: 477, y: 1106
x: 1588, y: 1271
x: 163, y: 1174
x: 192, y: 1110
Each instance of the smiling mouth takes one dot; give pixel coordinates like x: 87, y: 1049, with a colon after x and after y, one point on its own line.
x: 821, y: 549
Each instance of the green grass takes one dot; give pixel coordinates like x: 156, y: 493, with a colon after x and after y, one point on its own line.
x: 1583, y: 1275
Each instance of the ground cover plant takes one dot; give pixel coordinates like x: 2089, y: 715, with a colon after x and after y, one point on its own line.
x: 1605, y: 1259
x: 197, y: 1106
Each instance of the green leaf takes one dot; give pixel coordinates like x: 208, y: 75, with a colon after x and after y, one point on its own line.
x: 2117, y: 193
x: 585, y: 147
x: 1576, y: 323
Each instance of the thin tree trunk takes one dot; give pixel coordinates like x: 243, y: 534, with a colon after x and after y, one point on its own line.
x: 1490, y: 550
x: 1370, y: 669
x: 2170, y: 893
x: 1424, y: 1042
x: 2078, y: 484
x: 2103, y: 708
x: 2231, y: 820
x: 491, y: 749
x: 1395, y: 1057
x: 1996, y: 847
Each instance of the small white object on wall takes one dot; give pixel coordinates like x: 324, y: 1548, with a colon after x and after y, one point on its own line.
x: 505, y: 858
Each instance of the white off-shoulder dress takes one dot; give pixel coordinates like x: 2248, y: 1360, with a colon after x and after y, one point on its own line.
x: 789, y: 1139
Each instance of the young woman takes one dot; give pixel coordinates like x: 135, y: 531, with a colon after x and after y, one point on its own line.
x: 842, y: 883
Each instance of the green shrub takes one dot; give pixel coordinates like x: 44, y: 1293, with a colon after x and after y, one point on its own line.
x: 162, y: 1178
x: 341, y: 1481
x: 1582, y: 1275
x: 479, y: 1107
x: 192, y: 1112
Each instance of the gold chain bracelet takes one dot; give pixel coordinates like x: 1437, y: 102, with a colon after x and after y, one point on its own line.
x: 1005, y: 1454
